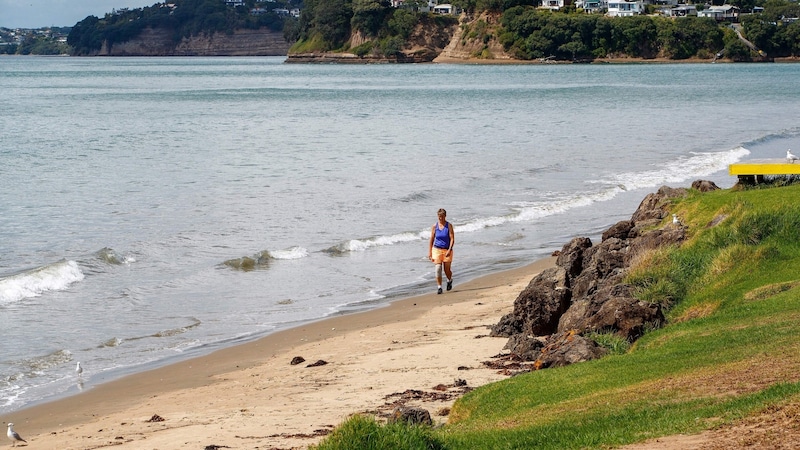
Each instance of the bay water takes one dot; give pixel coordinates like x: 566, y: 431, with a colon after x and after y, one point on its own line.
x: 153, y: 209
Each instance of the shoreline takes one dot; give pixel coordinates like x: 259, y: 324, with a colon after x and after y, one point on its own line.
x: 372, y: 358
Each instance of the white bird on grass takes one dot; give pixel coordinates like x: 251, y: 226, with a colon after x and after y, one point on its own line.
x: 791, y: 157
x: 675, y: 220
x: 14, y: 436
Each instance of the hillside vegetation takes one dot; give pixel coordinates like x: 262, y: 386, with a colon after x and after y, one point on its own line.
x: 184, y: 18
x: 728, y: 354
x: 524, y: 32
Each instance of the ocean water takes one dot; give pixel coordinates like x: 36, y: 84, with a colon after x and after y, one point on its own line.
x: 160, y: 208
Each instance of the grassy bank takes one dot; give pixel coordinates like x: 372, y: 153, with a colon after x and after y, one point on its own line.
x: 730, y: 348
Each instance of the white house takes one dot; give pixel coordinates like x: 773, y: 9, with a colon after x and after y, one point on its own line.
x: 554, y: 5
x: 429, y: 8
x: 624, y: 8
x: 591, y: 6
x: 445, y: 8
x: 720, y: 13
x: 682, y: 11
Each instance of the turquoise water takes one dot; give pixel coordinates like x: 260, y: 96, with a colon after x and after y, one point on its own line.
x: 128, y: 183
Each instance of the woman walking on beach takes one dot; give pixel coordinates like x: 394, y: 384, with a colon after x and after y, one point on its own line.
x: 440, y: 249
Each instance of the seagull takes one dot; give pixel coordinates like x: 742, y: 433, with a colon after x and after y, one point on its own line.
x: 14, y: 436
x: 791, y: 157
x: 675, y: 220
x: 79, y: 369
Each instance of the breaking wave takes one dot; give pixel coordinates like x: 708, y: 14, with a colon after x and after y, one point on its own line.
x: 262, y: 259
x: 53, y: 277
x: 698, y: 165
x: 359, y: 245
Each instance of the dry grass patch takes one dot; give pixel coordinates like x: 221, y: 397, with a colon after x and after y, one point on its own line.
x: 697, y: 312
x: 770, y: 290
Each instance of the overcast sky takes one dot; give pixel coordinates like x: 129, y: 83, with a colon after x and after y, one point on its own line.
x: 60, y: 13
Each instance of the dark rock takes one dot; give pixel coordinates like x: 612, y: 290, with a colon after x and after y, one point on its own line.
x: 297, y: 360
x: 580, y: 313
x: 601, y: 261
x: 508, y: 326
x: 524, y: 347
x: 586, y: 291
x: 620, y: 230
x: 626, y: 316
x: 704, y: 185
x: 656, y: 239
x: 412, y: 416
x: 318, y: 363
x: 541, y: 304
x: 576, y: 316
x: 568, y: 348
x: 571, y: 256
x: 654, y: 205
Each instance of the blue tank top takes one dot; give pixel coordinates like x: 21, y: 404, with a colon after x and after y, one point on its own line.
x: 442, y: 237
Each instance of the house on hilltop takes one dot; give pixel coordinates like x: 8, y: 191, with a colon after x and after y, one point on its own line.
x: 625, y: 8
x: 592, y: 6
x: 554, y: 5
x: 681, y: 11
x: 721, y: 13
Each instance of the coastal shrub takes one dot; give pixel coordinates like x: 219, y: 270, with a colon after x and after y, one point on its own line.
x: 653, y: 276
x: 361, y: 432
x: 615, y: 344
x: 391, y: 46
x: 363, y: 49
x: 402, y: 23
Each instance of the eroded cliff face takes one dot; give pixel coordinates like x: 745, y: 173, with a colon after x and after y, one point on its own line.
x: 425, y: 43
x: 476, y: 38
x: 159, y: 42
x: 473, y: 39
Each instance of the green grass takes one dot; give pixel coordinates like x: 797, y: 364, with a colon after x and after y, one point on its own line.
x: 730, y: 348
x: 365, y: 433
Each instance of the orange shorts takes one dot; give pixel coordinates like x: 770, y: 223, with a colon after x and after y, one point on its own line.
x: 438, y: 255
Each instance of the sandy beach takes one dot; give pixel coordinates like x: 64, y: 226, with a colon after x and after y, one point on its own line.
x: 415, y: 352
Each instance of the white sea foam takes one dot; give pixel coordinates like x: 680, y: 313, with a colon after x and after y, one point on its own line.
x: 697, y: 165
x: 289, y: 253
x: 53, y: 277
x: 360, y: 245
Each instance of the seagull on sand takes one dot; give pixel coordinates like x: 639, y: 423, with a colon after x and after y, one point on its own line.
x: 14, y: 436
x: 791, y: 157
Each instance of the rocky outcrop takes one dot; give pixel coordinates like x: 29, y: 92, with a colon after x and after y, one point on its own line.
x: 586, y: 293
x: 160, y: 42
x: 476, y: 39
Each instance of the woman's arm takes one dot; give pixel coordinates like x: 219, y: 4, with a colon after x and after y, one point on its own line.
x: 452, y: 238
x: 430, y: 242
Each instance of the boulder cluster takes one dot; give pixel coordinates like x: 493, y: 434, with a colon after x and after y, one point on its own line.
x: 585, y: 292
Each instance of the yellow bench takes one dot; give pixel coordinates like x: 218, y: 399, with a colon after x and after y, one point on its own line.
x: 753, y: 171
